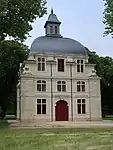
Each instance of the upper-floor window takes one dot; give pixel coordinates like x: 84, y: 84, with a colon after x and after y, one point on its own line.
x: 80, y: 86
x: 41, y: 64
x: 61, y: 65
x: 81, y: 106
x: 51, y: 29
x: 41, y: 85
x: 56, y: 29
x: 61, y: 86
x: 41, y: 106
x: 80, y: 66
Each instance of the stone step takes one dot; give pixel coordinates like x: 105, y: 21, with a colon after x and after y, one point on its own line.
x: 60, y: 124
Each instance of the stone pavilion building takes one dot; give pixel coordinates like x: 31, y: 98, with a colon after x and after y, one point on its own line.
x: 57, y: 83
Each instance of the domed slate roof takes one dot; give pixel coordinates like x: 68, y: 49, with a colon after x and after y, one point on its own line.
x: 49, y: 44
x: 53, y: 42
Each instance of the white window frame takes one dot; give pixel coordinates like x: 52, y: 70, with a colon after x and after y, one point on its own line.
x: 41, y: 83
x: 41, y: 104
x: 81, y: 106
x: 81, y: 84
x: 80, y: 64
x: 61, y: 84
x: 41, y: 62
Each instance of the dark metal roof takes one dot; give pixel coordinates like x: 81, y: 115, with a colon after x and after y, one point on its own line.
x: 51, y: 44
x: 52, y: 19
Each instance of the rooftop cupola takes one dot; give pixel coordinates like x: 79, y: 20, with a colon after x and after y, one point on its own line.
x: 52, y: 25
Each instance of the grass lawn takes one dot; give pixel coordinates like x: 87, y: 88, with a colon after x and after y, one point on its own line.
x: 3, y: 124
x: 108, y: 118
x: 55, y: 139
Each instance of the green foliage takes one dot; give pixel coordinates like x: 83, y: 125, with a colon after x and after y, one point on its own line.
x: 104, y: 68
x: 108, y: 17
x: 16, y: 17
x: 11, y: 54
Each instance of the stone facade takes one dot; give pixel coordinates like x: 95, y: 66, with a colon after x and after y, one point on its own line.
x: 27, y: 89
x: 46, y: 93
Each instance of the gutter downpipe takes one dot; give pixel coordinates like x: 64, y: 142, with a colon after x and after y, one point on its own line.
x: 71, y: 92
x: 20, y: 95
x: 89, y: 102
x: 51, y: 94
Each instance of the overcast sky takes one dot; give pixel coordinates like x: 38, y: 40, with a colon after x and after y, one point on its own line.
x: 81, y: 20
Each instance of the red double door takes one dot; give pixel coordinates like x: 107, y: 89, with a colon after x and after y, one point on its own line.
x: 61, y: 111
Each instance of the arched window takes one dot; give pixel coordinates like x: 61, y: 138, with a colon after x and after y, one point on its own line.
x: 80, y: 86
x: 41, y: 85
x: 61, y: 86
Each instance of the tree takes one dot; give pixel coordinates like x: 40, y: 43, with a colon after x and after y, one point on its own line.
x: 16, y: 18
x: 11, y: 54
x: 108, y: 17
x: 104, y: 68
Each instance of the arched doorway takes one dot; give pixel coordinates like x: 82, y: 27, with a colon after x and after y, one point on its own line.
x: 61, y: 111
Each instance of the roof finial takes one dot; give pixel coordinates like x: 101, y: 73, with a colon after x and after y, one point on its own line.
x: 51, y: 10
